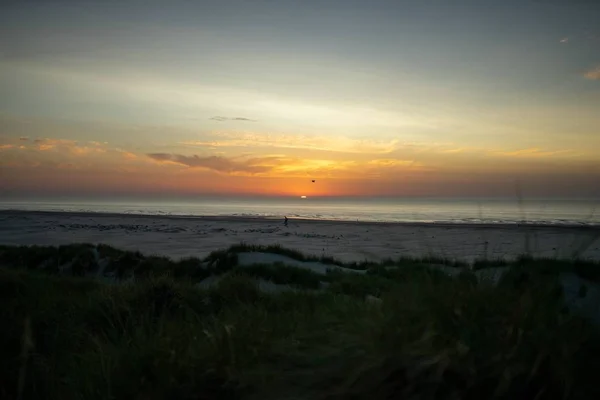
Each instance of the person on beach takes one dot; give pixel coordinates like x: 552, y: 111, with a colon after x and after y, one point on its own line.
x: 285, y: 221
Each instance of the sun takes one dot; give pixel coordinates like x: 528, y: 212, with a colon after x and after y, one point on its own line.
x: 302, y: 197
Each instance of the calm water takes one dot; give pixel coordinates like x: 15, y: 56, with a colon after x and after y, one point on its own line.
x: 493, y: 211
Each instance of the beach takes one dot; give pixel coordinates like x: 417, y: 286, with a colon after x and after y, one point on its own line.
x: 178, y: 236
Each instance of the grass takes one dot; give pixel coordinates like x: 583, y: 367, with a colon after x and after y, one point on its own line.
x: 284, y: 275
x: 80, y: 260
x: 65, y: 336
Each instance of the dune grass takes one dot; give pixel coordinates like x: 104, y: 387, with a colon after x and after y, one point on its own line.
x: 432, y: 337
x: 82, y: 260
x: 65, y: 336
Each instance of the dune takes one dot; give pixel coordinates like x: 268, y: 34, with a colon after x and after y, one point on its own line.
x: 253, y: 258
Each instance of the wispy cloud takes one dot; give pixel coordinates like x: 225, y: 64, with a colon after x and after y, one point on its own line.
x: 215, y: 163
x: 593, y: 74
x: 282, y: 166
x: 456, y: 150
x: 23, y: 139
x: 72, y: 146
x: 51, y: 144
x: 534, y: 152
x: 127, y: 154
x: 391, y: 163
x: 68, y: 154
x: 221, y: 119
x: 334, y: 144
x: 84, y: 150
x: 564, y: 40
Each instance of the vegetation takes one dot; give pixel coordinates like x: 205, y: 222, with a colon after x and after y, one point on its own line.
x: 68, y: 335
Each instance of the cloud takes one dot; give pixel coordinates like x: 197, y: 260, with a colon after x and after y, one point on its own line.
x: 221, y: 119
x: 533, y: 152
x: 161, y: 157
x: 324, y: 143
x: 84, y: 150
x: 456, y: 150
x: 51, y: 144
x: 6, y: 146
x: 564, y: 40
x: 66, y: 154
x: 70, y: 146
x: 216, y: 163
x: 593, y: 74
x: 127, y: 155
x: 291, y: 167
x: 392, y: 163
x: 23, y: 139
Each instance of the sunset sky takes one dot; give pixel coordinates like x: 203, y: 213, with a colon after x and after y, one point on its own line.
x: 260, y: 97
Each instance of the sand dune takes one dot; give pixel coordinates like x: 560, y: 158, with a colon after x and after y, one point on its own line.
x: 252, y: 258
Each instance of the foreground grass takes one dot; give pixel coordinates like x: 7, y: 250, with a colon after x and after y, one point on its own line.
x: 431, y: 337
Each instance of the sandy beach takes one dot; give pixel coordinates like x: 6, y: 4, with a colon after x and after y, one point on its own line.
x: 348, y: 241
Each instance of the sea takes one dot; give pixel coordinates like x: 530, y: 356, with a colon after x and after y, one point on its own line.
x: 410, y: 210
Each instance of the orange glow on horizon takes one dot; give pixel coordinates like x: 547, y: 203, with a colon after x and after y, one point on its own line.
x: 55, y: 165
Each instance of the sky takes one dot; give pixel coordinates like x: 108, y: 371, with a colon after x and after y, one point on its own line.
x: 261, y: 97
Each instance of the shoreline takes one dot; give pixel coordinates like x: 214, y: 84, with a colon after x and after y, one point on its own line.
x: 236, y: 218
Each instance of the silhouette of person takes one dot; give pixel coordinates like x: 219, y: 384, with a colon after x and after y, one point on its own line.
x: 285, y: 221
